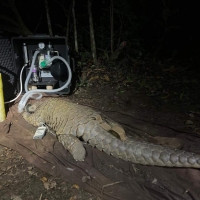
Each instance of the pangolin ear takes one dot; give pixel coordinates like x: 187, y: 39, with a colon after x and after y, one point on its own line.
x: 30, y: 108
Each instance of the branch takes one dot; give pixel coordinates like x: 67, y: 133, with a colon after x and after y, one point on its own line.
x: 8, y: 19
x: 40, y: 20
x: 11, y: 29
x: 62, y: 6
x: 19, y: 19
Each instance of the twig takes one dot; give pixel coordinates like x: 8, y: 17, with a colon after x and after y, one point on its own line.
x: 110, y: 184
x: 38, y: 24
x: 40, y: 197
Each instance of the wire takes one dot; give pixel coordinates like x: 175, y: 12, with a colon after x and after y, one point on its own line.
x: 20, y: 85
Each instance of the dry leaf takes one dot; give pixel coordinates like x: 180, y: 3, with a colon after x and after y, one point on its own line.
x: 106, y: 77
x: 33, y: 173
x: 43, y: 179
x: 88, y: 73
x: 165, y: 97
x: 86, y: 178
x: 75, y: 186
x: 15, y: 197
x: 9, y: 167
x: 189, y: 122
x: 30, y: 172
x: 29, y: 168
x: 73, y: 198
x: 93, y: 78
x: 49, y: 185
x: 191, y: 115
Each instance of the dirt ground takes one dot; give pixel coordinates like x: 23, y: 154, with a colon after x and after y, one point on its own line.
x: 21, y: 181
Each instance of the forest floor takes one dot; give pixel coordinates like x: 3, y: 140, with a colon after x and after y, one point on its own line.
x: 19, y: 180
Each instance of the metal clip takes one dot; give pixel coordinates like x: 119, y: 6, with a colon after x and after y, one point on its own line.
x: 40, y: 132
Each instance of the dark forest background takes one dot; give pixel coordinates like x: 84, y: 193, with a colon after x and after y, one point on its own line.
x: 154, y: 44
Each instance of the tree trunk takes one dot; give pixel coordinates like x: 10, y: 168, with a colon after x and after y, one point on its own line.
x: 111, y: 26
x: 75, y: 30
x: 117, y: 52
x: 92, y: 38
x: 48, y: 18
x: 120, y: 30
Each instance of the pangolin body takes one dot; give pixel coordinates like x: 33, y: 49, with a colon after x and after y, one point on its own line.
x: 71, y: 122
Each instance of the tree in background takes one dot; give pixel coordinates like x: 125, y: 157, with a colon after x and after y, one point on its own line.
x: 13, y: 24
x: 111, y: 26
x: 75, y: 28
x: 48, y: 18
x: 67, y: 13
x: 92, y: 37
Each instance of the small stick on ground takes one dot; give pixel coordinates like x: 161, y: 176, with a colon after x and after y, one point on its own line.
x: 40, y: 197
x: 110, y: 184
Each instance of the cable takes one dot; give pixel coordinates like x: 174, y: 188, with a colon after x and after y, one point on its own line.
x: 30, y: 71
x: 20, y: 85
x: 31, y: 93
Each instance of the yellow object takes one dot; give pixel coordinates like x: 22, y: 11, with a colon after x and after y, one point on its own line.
x: 2, y: 107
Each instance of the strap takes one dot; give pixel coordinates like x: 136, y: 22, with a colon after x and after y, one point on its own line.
x: 111, y: 127
x: 120, y: 131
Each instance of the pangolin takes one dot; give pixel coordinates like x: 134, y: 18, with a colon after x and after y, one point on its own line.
x: 74, y: 123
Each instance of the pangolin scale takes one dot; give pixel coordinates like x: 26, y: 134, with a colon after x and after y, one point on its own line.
x: 71, y: 122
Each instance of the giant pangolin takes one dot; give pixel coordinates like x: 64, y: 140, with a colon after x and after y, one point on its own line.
x: 72, y: 122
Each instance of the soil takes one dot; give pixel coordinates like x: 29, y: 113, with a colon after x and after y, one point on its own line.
x: 20, y: 180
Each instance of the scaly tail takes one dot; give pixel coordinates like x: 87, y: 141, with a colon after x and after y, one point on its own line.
x: 140, y: 152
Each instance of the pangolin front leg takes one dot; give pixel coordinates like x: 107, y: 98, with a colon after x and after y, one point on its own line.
x: 73, y: 145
